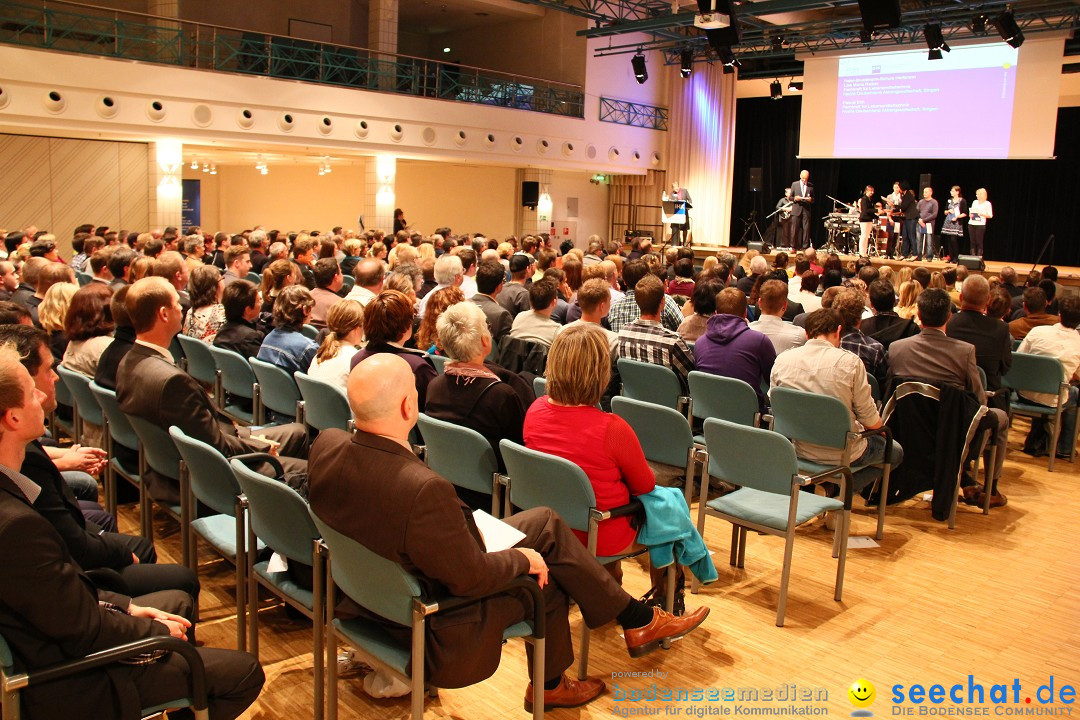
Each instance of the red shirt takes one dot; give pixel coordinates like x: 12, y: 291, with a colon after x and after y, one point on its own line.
x: 605, y: 447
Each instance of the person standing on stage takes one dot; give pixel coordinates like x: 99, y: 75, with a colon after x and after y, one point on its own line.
x: 802, y: 191
x: 867, y: 216
x: 892, y: 227
x: 680, y: 233
x: 981, y: 210
x: 928, y: 212
x: 953, y: 227
x: 910, y: 210
x: 783, y: 216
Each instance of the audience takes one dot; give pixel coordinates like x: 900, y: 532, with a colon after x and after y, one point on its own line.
x: 731, y: 349
x: 122, y: 341
x: 536, y: 325
x: 328, y: 283
x: 990, y: 336
x: 703, y: 304
x: 286, y: 345
x: 89, y: 326
x: 207, y: 314
x: 644, y: 339
x: 345, y: 323
x: 594, y: 302
x: 388, y: 325
x: 490, y: 278
x: 772, y: 304
x: 850, y: 303
x: 239, y: 334
x: 427, y: 337
x: 625, y: 309
x: 1059, y: 341
x: 369, y: 275
x: 51, y: 314
x: 1035, y: 314
x: 514, y: 296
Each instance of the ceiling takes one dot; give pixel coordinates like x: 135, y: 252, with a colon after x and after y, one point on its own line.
x: 435, y: 17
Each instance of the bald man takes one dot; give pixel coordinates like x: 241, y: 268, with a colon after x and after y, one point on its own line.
x: 370, y: 487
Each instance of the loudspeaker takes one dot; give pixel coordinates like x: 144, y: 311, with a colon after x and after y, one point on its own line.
x: 761, y: 247
x: 925, y: 181
x: 971, y: 262
x: 530, y: 193
x: 879, y: 14
x: 755, y: 179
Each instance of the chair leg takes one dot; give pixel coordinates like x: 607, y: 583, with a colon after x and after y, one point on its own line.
x: 418, y: 690
x: 241, y: 581
x: 669, y: 595
x: 733, y: 560
x: 882, y: 495
x: 1053, y: 440
x: 539, y: 658
x: 789, y: 545
x: 742, y: 547
x: 318, y: 614
x: 331, y: 645
x: 583, y: 661
x: 842, y: 527
x: 989, y: 467
x: 251, y: 595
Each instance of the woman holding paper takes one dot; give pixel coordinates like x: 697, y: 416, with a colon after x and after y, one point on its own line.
x: 980, y: 211
x: 953, y: 228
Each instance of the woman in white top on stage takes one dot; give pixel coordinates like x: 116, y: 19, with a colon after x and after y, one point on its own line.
x: 978, y: 213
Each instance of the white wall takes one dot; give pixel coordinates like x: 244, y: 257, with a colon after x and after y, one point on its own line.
x: 465, y: 198
x: 592, y: 201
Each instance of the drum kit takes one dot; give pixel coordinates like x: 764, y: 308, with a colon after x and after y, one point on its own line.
x: 842, y: 226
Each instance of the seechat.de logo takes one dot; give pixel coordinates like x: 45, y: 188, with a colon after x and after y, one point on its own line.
x: 862, y: 695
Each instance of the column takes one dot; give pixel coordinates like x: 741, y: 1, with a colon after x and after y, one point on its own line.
x: 529, y: 221
x: 383, y: 37
x: 380, y: 176
x: 165, y: 159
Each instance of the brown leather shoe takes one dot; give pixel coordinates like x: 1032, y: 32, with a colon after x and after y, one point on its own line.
x: 996, y: 500
x: 570, y: 693
x: 664, y: 626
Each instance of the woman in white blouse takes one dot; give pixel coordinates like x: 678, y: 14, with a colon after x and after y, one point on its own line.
x: 331, y: 364
x: 978, y: 213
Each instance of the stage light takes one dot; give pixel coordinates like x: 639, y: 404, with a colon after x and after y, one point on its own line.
x: 775, y: 91
x: 793, y: 86
x: 777, y: 43
x: 935, y: 41
x: 1007, y: 28
x: 935, y: 54
x: 686, y: 63
x: 640, y: 73
x: 978, y: 23
x: 728, y: 58
x: 866, y: 36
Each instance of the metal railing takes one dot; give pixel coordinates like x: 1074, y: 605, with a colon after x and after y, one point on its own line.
x: 92, y: 30
x: 623, y: 112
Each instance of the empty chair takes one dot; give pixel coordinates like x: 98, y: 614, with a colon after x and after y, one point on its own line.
x: 87, y: 409
x: 651, y: 383
x: 277, y: 391
x: 201, y: 364
x: 1039, y: 374
x: 462, y: 456
x: 769, y: 499
x: 238, y: 381
x: 723, y: 398
x: 325, y: 406
x: 118, y: 433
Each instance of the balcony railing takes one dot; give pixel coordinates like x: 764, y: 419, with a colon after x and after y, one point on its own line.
x: 132, y: 36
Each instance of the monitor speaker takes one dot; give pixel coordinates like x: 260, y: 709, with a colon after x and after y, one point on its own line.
x: 925, y: 181
x: 971, y: 262
x: 761, y: 247
x: 880, y: 14
x: 755, y: 179
x: 530, y: 193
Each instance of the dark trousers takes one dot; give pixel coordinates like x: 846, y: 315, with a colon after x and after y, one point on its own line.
x: 978, y: 233
x: 799, y: 229
x: 910, y: 245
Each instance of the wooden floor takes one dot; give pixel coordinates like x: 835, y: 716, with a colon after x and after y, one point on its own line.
x: 997, y: 598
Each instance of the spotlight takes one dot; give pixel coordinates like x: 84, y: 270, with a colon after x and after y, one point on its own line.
x: 728, y: 58
x: 793, y: 86
x: 866, y: 36
x: 935, y: 54
x: 935, y: 40
x: 775, y: 91
x: 1007, y: 28
x: 640, y: 73
x: 978, y: 24
x: 686, y: 65
x: 777, y: 43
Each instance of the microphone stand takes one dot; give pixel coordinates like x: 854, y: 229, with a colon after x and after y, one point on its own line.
x: 1049, y: 243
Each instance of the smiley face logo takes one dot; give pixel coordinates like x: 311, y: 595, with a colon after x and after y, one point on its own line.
x: 862, y: 695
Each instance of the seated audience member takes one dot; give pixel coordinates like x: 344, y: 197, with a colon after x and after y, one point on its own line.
x: 730, y: 348
x: 331, y: 364
x: 1060, y: 341
x: 473, y: 393
x: 449, y: 272
x: 990, y: 336
x: 514, y: 296
x: 758, y: 267
x: 89, y: 326
x: 354, y: 253
x: 12, y: 314
x: 150, y: 386
x: 1035, y: 314
x: 772, y: 304
x: 807, y: 295
x: 850, y: 303
x: 934, y: 356
x: 237, y: 264
x: 369, y: 275
x: 490, y: 278
x: 388, y: 325
x: 886, y: 325
x: 9, y: 280
x: 427, y: 338
x: 286, y: 345
x: 646, y: 340
x: 328, y: 282
x: 277, y: 276
x: 822, y: 368
x: 207, y: 314
x: 25, y: 293
x: 50, y: 275
x: 703, y: 303
x: 536, y: 325
x: 683, y: 282
x: 51, y: 313
x: 594, y: 302
x: 625, y: 309
x: 239, y: 334
x: 122, y: 341
x: 119, y: 263
x: 171, y: 266
x: 370, y: 487
x: 907, y: 301
x: 562, y: 293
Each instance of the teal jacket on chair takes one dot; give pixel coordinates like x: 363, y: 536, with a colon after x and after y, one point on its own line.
x: 670, y: 535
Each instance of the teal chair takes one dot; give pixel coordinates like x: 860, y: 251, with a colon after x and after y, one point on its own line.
x: 824, y: 420
x: 347, y: 284
x: 309, y: 331
x: 277, y: 391
x: 83, y: 279
x: 875, y: 388
x: 201, y: 364
x: 208, y: 479
x: 157, y: 452
x: 723, y: 398
x: 652, y: 383
x: 117, y: 431
x: 254, y: 278
x: 13, y: 681
x: 770, y: 498
x: 1041, y: 374
x: 535, y: 479
x: 462, y: 456
x: 58, y: 424
x: 384, y: 588
x: 87, y: 409
x: 539, y: 386
x: 439, y: 361
x: 237, y: 380
x: 325, y: 406
x: 278, y: 517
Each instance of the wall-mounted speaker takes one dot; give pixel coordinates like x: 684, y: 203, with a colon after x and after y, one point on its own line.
x: 530, y: 193
x: 755, y: 179
x: 971, y: 262
x: 925, y: 181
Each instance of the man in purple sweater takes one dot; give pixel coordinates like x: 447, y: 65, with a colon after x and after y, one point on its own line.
x: 730, y: 348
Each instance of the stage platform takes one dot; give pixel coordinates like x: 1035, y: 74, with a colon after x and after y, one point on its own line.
x: 1068, y: 277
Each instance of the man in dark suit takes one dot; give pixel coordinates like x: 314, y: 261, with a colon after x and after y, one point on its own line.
x: 802, y: 195
x: 990, y: 336
x: 489, y: 282
x: 680, y: 231
x: 150, y: 386
x: 370, y: 487
x: 75, y: 618
x: 934, y: 356
x: 886, y: 326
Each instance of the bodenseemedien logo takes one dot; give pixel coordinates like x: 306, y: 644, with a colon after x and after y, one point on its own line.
x: 862, y: 695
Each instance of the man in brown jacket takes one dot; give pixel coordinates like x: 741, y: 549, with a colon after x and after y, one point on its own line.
x: 370, y: 487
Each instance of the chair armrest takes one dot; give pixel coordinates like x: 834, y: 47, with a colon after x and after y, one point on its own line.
x: 258, y: 457
x: 804, y: 480
x: 886, y: 432
x: 196, y: 676
x: 430, y: 606
x: 631, y: 508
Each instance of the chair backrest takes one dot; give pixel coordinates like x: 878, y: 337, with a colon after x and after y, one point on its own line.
x: 63, y: 393
x: 539, y: 386
x: 309, y: 331
x: 7, y: 658
x: 119, y: 426
x: 159, y: 449
x: 875, y: 386
x: 83, y: 278
x: 541, y: 480
x: 85, y: 402
x: 277, y: 387
x: 348, y: 282
x: 200, y: 361
x: 459, y: 454
x: 809, y: 417
x: 377, y: 584
x: 440, y: 362
x: 237, y: 377
x: 664, y: 434
x: 750, y: 457
x: 723, y: 398
x: 522, y: 356
x: 212, y: 480
x: 278, y: 515
x: 254, y: 278
x: 1035, y: 373
x: 650, y: 383
x: 325, y: 405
